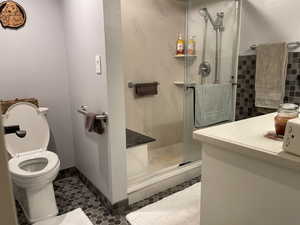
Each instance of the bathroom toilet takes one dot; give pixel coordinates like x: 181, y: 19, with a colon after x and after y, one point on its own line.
x: 32, y: 167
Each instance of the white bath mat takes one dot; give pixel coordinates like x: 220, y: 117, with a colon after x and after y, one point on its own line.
x: 178, y: 209
x: 75, y: 217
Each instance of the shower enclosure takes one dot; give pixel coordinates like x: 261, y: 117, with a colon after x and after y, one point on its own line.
x: 168, y: 118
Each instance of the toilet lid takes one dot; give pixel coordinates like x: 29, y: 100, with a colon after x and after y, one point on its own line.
x: 30, y: 119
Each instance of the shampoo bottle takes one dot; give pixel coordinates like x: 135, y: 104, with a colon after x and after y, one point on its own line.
x: 192, y: 46
x: 180, y: 45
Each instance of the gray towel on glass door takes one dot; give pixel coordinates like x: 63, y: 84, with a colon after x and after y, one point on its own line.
x: 213, y: 104
x: 271, y: 69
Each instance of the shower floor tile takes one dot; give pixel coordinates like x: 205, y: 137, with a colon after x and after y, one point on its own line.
x: 159, y: 159
x: 71, y: 193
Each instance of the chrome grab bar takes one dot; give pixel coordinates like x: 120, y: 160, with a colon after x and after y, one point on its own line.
x: 83, y: 111
x: 132, y: 85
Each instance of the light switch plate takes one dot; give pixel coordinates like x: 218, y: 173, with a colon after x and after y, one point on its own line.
x: 98, y: 65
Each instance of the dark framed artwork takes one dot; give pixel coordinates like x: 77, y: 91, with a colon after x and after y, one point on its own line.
x: 12, y: 15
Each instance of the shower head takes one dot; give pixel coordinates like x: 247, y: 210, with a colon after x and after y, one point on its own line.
x: 217, y: 23
x: 203, y: 12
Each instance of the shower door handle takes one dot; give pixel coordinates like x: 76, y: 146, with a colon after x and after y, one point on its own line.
x: 194, y: 100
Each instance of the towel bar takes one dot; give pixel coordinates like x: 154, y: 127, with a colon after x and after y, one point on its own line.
x: 132, y: 85
x: 291, y: 45
x: 83, y: 111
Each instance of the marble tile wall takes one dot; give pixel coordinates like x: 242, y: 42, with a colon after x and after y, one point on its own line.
x: 196, y: 28
x: 150, y: 29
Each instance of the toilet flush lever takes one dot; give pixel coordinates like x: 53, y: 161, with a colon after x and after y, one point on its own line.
x: 15, y: 129
x: 21, y: 133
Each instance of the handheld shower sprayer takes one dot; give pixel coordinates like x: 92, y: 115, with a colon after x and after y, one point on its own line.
x: 217, y: 23
x: 218, y: 26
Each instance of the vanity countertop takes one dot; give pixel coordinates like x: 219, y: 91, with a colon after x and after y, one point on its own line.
x: 248, y: 137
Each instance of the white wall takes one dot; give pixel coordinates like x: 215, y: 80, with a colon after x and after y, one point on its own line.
x: 33, y: 64
x: 7, y: 203
x: 102, y: 159
x: 269, y: 21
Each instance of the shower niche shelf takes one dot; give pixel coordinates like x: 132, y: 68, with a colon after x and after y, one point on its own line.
x: 184, y: 56
x: 181, y: 83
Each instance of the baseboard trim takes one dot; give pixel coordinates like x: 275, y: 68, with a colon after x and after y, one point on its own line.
x: 65, y: 173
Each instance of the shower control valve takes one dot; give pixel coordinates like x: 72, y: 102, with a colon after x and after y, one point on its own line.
x: 204, y: 69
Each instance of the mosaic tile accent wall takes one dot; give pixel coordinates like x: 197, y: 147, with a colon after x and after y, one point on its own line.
x: 245, y: 105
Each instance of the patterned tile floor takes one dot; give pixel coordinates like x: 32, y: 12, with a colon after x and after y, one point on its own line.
x: 71, y: 193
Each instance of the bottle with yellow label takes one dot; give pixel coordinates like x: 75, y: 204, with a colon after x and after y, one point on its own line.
x: 192, y: 46
x: 180, y: 45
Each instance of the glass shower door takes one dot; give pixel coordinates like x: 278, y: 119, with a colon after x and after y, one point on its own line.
x: 210, y: 74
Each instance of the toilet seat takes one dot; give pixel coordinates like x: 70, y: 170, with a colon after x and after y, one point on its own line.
x: 33, y: 122
x: 17, y: 171
x: 29, y: 118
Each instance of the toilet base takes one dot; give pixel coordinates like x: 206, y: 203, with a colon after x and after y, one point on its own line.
x: 37, y: 203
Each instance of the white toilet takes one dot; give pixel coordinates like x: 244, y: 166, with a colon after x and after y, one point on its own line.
x: 32, y: 167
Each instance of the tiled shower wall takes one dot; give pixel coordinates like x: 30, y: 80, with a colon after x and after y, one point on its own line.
x: 150, y: 29
x: 245, y: 105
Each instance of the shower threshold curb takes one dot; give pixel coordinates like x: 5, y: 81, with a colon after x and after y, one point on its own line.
x: 163, y: 180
